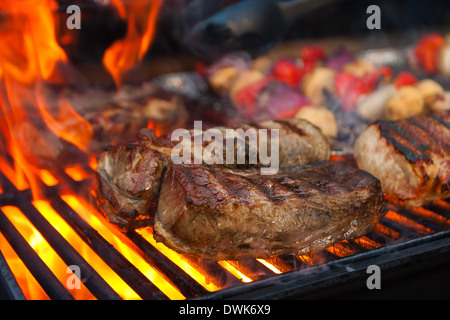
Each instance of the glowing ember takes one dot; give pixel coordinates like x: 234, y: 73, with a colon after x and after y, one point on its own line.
x: 28, y: 284
x: 234, y: 270
x: 341, y: 249
x: 32, y: 128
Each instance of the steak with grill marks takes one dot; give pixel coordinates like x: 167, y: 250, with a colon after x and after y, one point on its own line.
x: 411, y: 157
x: 130, y: 176
x: 219, y: 213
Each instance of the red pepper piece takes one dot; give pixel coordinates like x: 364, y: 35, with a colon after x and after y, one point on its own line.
x: 427, y: 50
x: 312, y: 54
x: 385, y: 73
x: 405, y: 79
x: 350, y: 87
x: 343, y: 81
x: 246, y: 97
x: 286, y: 70
x: 362, y: 86
x: 200, y: 68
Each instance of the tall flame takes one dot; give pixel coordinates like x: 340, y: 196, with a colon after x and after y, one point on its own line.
x: 30, y: 56
x: 29, y: 47
x: 124, y: 54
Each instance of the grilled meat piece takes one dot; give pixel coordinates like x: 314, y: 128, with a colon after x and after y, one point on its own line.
x: 411, y: 157
x: 105, y: 118
x: 129, y: 179
x: 219, y: 213
x: 116, y: 122
x: 130, y: 176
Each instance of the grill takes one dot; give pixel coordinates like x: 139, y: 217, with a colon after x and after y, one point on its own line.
x: 59, y: 246
x: 75, y: 230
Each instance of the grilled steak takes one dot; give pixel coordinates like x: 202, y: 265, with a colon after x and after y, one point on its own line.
x: 411, y: 157
x: 220, y: 213
x: 130, y: 176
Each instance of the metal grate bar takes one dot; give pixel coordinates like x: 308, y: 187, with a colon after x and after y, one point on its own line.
x: 8, y: 281
x: 188, y: 286
x: 127, y: 271
x: 402, y: 225
x: 185, y: 283
x: 94, y: 282
x: 44, y: 276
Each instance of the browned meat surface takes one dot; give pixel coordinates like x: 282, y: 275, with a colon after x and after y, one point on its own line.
x: 118, y: 121
x: 103, y: 118
x: 130, y: 176
x: 129, y: 179
x: 411, y: 157
x: 220, y: 213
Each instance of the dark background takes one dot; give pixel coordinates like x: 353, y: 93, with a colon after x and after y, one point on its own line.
x: 101, y: 26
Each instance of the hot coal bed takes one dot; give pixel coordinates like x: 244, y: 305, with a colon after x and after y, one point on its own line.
x: 47, y: 238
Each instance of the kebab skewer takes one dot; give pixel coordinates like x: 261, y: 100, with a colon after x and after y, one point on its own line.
x: 267, y: 89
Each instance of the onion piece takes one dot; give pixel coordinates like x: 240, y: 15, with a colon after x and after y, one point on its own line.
x: 371, y: 107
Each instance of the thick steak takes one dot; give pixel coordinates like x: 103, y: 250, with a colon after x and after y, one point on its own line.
x: 130, y: 176
x: 219, y: 213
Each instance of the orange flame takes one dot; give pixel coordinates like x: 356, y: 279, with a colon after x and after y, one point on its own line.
x: 124, y: 54
x: 68, y: 124
x: 30, y: 57
x: 152, y: 124
x: 29, y: 48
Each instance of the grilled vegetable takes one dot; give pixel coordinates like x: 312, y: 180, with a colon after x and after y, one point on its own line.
x: 406, y: 102
x: 372, y: 107
x: 432, y: 93
x: 321, y: 117
x: 315, y: 83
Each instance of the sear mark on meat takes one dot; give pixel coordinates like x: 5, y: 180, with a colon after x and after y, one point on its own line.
x: 130, y: 176
x: 220, y: 213
x: 411, y: 157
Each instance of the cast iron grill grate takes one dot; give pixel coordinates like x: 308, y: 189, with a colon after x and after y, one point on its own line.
x: 403, y: 235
